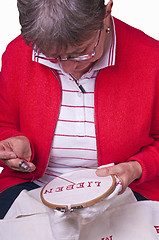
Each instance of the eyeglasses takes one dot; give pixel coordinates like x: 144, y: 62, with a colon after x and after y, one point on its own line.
x: 79, y: 58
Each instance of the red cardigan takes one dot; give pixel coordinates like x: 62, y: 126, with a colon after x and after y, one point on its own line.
x: 126, y: 107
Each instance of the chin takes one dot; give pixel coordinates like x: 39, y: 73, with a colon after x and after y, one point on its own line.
x: 83, y: 67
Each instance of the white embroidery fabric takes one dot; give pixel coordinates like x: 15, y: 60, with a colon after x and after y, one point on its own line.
x: 116, y: 218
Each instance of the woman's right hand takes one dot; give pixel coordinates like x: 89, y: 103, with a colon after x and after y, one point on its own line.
x: 16, y: 153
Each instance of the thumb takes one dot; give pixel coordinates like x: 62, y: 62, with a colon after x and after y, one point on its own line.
x: 103, y: 172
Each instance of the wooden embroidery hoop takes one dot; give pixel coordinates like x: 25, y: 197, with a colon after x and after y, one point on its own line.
x: 77, y: 189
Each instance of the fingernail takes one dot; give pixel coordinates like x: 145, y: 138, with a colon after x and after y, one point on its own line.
x: 98, y: 172
x: 12, y: 155
x: 101, y: 172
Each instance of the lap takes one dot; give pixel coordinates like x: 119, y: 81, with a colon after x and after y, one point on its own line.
x: 139, y: 197
x: 8, y: 196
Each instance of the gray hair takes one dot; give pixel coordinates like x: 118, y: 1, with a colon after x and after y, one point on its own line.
x: 59, y: 23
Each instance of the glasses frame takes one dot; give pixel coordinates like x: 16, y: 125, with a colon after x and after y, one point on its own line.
x: 79, y: 58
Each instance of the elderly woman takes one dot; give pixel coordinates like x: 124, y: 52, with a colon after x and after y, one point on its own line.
x: 78, y: 88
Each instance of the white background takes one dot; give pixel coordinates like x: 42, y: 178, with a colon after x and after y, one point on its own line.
x: 142, y: 14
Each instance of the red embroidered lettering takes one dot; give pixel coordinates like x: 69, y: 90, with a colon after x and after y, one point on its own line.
x: 59, y: 189
x: 48, y: 191
x: 80, y: 185
x: 119, y: 183
x: 98, y: 184
x: 157, y: 228
x: 107, y: 238
x: 89, y: 184
x: 70, y: 187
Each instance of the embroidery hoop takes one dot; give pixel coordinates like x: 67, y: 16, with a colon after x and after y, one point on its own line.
x: 77, y: 189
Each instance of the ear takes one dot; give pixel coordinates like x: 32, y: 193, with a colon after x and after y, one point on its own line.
x: 108, y: 9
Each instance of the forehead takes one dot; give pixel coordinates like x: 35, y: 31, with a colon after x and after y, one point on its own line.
x: 76, y: 48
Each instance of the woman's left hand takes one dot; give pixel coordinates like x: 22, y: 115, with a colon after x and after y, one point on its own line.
x: 127, y: 172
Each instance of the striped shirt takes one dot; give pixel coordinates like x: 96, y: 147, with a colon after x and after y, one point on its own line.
x: 74, y: 142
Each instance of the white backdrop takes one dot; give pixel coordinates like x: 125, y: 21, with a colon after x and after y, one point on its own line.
x: 142, y: 14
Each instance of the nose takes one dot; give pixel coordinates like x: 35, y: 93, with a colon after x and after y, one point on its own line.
x: 68, y: 66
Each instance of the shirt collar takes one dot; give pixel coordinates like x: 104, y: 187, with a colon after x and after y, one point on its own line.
x: 107, y: 59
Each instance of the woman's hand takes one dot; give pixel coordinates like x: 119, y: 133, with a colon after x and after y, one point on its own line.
x: 14, y: 151
x: 127, y: 172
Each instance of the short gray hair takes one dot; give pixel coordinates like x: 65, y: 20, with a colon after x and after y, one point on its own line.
x: 47, y: 23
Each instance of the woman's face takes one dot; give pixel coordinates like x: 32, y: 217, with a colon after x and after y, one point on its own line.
x: 76, y: 67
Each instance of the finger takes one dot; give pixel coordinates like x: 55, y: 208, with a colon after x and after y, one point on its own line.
x: 26, y: 166
x: 20, y: 165
x: 6, y: 155
x: 106, y: 171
